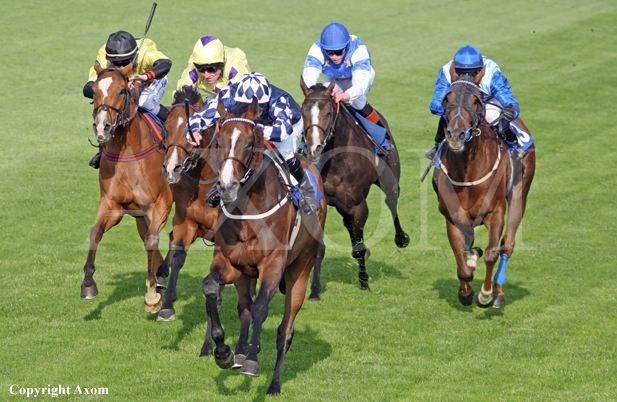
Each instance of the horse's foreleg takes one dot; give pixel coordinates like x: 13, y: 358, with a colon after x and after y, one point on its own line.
x: 494, y: 224
x: 206, y: 348
x: 153, y: 299
x: 183, y: 236
x: 108, y: 216
x: 163, y: 271
x: 246, y: 290
x: 316, y: 284
x: 296, y: 277
x: 354, y: 221
x: 457, y: 238
x: 270, y: 275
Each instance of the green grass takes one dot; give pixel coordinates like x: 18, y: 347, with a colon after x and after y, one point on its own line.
x: 408, y: 338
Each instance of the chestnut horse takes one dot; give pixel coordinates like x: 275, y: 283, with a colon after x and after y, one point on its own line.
x: 254, y: 240
x: 130, y: 176
x: 346, y: 159
x: 472, y: 187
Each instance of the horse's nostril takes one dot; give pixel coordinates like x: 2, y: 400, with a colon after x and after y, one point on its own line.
x: 178, y: 168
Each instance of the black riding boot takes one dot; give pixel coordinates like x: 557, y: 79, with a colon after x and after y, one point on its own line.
x: 163, y: 113
x: 308, y: 200
x: 95, y: 162
x: 439, y: 137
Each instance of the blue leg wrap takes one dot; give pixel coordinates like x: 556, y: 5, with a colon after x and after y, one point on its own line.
x: 500, y: 275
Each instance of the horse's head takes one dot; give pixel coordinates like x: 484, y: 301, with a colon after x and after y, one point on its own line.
x: 318, y: 113
x: 464, y: 109
x: 181, y: 156
x: 114, y: 105
x: 239, y: 147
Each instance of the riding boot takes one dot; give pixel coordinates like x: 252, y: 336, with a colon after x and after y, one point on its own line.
x: 213, y: 198
x: 95, y: 162
x: 308, y: 200
x: 439, y: 137
x: 163, y: 113
x: 371, y: 115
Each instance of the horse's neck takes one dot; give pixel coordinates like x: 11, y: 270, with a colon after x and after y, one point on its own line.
x: 131, y: 138
x: 344, y: 133
x: 477, y: 158
x: 263, y: 189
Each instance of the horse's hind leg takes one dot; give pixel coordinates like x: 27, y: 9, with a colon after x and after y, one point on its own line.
x: 354, y: 221
x: 316, y: 284
x: 108, y: 216
x: 388, y: 182
x: 296, y: 278
x: 163, y: 271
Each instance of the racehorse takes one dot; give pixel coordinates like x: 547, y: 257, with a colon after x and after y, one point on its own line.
x: 345, y: 157
x: 254, y: 240
x: 186, y: 168
x: 130, y: 177
x: 473, y: 185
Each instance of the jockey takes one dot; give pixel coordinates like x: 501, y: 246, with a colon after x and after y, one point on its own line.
x: 345, y: 57
x: 282, y: 124
x: 494, y: 88
x: 151, y: 66
x: 213, y: 66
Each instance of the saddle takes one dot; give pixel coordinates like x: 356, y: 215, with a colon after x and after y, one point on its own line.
x: 378, y: 135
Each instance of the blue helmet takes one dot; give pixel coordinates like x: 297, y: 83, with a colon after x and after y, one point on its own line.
x: 334, y: 37
x: 468, y: 58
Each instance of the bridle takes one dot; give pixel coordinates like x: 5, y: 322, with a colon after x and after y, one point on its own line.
x: 193, y: 155
x: 233, y: 158
x: 461, y: 102
x: 329, y: 131
x: 122, y: 114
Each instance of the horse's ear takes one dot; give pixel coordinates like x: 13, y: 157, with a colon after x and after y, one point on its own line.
x: 330, y: 87
x: 126, y: 69
x: 477, y: 105
x: 445, y: 101
x: 254, y: 110
x: 305, y: 89
x: 97, y: 67
x: 453, y: 74
x: 479, y: 76
x: 221, y: 109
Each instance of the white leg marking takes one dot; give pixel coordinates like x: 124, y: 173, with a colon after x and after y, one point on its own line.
x: 227, y: 173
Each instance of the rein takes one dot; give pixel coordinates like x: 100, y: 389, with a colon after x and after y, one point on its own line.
x: 329, y: 132
x: 122, y: 117
x: 193, y: 155
x: 233, y: 158
x: 473, y: 183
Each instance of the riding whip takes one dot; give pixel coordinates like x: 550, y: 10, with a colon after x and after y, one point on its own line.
x: 146, y: 31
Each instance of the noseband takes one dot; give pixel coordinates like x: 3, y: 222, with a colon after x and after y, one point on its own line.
x: 193, y: 156
x: 233, y: 158
x: 122, y: 116
x: 329, y: 131
x: 461, y: 101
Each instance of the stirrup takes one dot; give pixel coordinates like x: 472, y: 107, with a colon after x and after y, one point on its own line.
x: 95, y: 161
x: 213, y: 199
x: 430, y: 154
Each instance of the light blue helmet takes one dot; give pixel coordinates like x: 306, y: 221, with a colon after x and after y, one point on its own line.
x: 334, y: 37
x: 253, y: 84
x: 468, y: 58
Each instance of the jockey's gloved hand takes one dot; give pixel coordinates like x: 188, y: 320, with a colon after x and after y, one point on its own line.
x: 509, y: 112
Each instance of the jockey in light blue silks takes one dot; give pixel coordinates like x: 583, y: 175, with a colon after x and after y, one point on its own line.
x: 281, y: 120
x: 494, y: 88
x: 345, y: 57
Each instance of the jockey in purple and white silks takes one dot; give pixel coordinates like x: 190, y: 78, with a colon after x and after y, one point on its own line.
x: 337, y: 54
x: 494, y: 88
x: 281, y: 121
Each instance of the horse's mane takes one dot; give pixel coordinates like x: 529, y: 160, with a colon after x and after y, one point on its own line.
x: 186, y: 92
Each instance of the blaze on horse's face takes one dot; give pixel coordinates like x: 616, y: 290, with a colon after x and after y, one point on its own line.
x: 318, y: 114
x: 111, y: 97
x: 463, y: 110
x: 236, y: 144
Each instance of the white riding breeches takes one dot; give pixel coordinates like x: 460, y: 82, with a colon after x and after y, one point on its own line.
x: 151, y: 96
x: 287, y: 147
x: 344, y: 85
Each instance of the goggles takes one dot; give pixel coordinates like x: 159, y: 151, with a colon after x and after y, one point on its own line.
x: 471, y: 72
x: 122, y: 63
x: 209, y: 68
x: 339, y: 52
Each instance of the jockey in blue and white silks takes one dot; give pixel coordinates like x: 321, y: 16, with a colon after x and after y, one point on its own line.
x: 337, y: 54
x: 494, y: 88
x: 281, y: 121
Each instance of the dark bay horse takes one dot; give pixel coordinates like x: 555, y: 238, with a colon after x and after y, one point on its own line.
x: 254, y: 239
x: 346, y: 159
x: 472, y: 187
x: 130, y: 176
x: 186, y: 168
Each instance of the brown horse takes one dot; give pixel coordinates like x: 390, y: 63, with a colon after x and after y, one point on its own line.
x: 345, y: 157
x: 130, y: 177
x: 472, y: 187
x: 254, y: 241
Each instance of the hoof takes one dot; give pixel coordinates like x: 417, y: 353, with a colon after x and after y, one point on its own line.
x: 168, y: 314
x: 490, y: 303
x: 467, y: 300
x: 499, y: 301
x: 314, y: 297
x: 226, y: 362
x: 238, y: 361
x: 153, y: 308
x: 274, y: 389
x: 402, y: 240
x: 206, y: 350
x: 161, y: 282
x: 250, y: 367
x: 89, y: 292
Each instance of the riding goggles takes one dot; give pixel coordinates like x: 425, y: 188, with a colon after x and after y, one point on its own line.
x: 209, y: 68
x: 339, y: 52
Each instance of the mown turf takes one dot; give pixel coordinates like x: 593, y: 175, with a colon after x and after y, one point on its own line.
x: 408, y: 338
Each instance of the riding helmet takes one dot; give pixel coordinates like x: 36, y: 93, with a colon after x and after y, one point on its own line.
x: 121, y: 46
x: 208, y: 50
x: 468, y: 58
x: 250, y: 85
x: 334, y: 37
